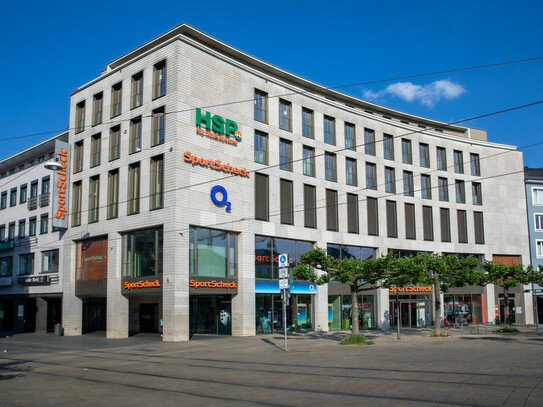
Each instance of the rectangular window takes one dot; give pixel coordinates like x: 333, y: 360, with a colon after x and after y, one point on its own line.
x: 116, y: 99
x: 2, y: 233
x: 6, y: 266
x: 96, y: 149
x: 309, y: 161
x: 135, y: 135
x: 371, y: 176
x: 261, y: 106
x: 477, y: 193
x: 458, y: 162
x: 350, y: 137
x: 261, y: 197
x: 156, y: 187
x: 350, y: 171
x: 539, y: 248
x: 329, y: 130
x: 460, y: 192
x: 392, y: 219
x: 142, y: 253
x: 462, y: 226
x: 441, y: 158
x: 45, y: 184
x: 424, y: 151
x: 287, y: 204
x: 22, y: 228
x: 388, y: 146
x: 136, y: 98
x: 428, y: 223
x: 80, y: 117
x: 22, y: 194
x: 352, y: 213
x: 261, y: 147
x: 222, y: 263
x: 390, y: 180
x: 158, y: 129
x: 331, y: 210
x: 408, y: 183
x: 372, y: 212
x: 330, y: 166
x: 285, y: 154
x: 538, y: 217
x: 425, y: 186
x: 34, y: 189
x: 133, y: 189
x: 410, y: 230
x: 479, y: 227
x: 308, y: 123
x: 445, y: 222
x: 285, y: 115
x: 443, y: 187
x: 369, y: 141
x: 4, y: 200
x: 97, y: 108
x: 32, y: 226
x: 26, y: 264
x: 475, y: 165
x: 78, y: 157
x: 114, y: 143
x: 112, y: 194
x: 76, y: 207
x: 11, y: 231
x: 13, y: 197
x: 407, y: 155
x: 49, y: 261
x: 537, y: 196
x: 44, y: 224
x: 94, y: 198
x: 159, y: 79
x: 310, y: 210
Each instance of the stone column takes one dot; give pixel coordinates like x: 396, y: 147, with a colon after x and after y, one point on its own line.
x: 117, y: 304
x: 72, y: 306
x: 41, y: 315
x: 382, y: 308
x: 243, y: 304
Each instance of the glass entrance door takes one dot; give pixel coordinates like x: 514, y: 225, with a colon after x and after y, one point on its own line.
x: 413, y: 314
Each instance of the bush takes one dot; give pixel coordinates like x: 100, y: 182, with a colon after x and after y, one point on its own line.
x: 440, y: 335
x: 506, y: 329
x: 355, y: 340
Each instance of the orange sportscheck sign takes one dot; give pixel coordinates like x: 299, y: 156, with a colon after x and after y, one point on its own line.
x: 212, y: 284
x: 410, y: 289
x: 141, y: 284
x: 215, y: 164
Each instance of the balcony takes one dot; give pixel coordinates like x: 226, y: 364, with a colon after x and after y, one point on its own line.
x: 44, y: 200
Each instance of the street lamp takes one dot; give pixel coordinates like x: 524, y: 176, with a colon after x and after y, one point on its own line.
x: 54, y: 164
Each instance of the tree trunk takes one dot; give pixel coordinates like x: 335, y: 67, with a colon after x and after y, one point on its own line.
x: 506, y: 306
x: 437, y: 307
x: 354, y: 309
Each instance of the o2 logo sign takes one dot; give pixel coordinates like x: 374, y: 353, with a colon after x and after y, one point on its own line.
x: 219, y: 196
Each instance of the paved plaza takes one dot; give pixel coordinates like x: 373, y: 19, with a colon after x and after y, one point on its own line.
x: 482, y: 369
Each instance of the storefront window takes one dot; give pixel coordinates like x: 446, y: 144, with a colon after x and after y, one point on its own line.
x: 462, y: 309
x: 142, y: 253
x: 92, y: 259
x: 344, y: 252
x: 339, y: 311
x: 212, y: 253
x: 267, y: 250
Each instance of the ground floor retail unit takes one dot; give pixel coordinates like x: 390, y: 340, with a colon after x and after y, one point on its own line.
x: 25, y: 313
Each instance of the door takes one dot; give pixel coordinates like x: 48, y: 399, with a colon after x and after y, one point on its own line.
x: 225, y: 317
x: 149, y: 318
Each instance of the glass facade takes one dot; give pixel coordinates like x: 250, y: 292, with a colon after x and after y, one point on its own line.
x: 142, y: 253
x: 212, y: 253
x: 267, y: 249
x: 462, y: 309
x: 340, y: 312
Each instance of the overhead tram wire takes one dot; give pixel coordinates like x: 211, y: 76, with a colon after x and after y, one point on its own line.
x: 112, y: 122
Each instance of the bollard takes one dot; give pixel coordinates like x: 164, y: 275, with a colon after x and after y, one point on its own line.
x: 58, y: 330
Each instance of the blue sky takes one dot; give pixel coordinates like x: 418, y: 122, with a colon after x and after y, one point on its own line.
x: 49, y: 48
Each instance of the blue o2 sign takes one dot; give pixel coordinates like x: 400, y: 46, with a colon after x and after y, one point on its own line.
x: 219, y: 196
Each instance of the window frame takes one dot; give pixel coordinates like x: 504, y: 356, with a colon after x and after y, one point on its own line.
x: 329, y: 130
x: 136, y: 90
x: 260, y: 113
x: 350, y: 136
x: 407, y: 151
x: 330, y: 167
x: 369, y: 142
x: 285, y: 115
x: 351, y: 177
x: 285, y: 160
x: 308, y: 160
x: 97, y: 108
x: 261, y: 147
x: 116, y: 100
x: 159, y: 79
x: 458, y: 158
x: 424, y: 155
x: 371, y: 177
x: 134, y: 189
x: 388, y: 146
x: 441, y: 158
x: 308, y: 129
x: 536, y: 215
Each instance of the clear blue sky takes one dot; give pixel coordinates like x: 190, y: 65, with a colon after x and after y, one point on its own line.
x: 49, y: 48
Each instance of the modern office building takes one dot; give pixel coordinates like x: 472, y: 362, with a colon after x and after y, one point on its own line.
x: 533, y: 179
x: 31, y: 239
x: 195, y: 165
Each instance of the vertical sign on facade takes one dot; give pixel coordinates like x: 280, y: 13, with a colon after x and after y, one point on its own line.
x: 61, y: 185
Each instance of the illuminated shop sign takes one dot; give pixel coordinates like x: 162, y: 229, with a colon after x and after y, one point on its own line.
x: 61, y: 186
x: 296, y: 287
x: 215, y: 165
x: 224, y: 197
x: 217, y: 127
x: 141, y: 284
x: 212, y: 284
x: 35, y: 280
x: 410, y: 289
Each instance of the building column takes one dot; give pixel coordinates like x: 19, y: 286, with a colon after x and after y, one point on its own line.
x: 243, y: 304
x: 382, y: 308
x: 528, y: 300
x: 490, y: 303
x: 41, y: 315
x: 72, y: 306
x: 116, y: 303
x: 175, y: 285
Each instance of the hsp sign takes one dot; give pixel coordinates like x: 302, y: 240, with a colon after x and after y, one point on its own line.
x: 217, y: 124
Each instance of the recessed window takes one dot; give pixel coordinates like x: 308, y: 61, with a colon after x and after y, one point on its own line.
x: 133, y: 200
x: 539, y: 246
x: 460, y: 192
x: 80, y: 117
x: 537, y: 196
x: 458, y: 162
x: 425, y: 186
x: 261, y: 106
x: 49, y: 261
x: 285, y: 115
x: 114, y: 143
x: 309, y: 161
x: 350, y: 138
x: 390, y: 180
x: 78, y: 157
x: 97, y: 108
x: 443, y: 188
x: 308, y: 123
x: 285, y: 154
x: 159, y: 79
x: 76, y: 204
x: 158, y: 127
x: 350, y: 171
x: 261, y: 147
x: 538, y: 218
x: 424, y: 152
x: 329, y: 130
x: 156, y: 187
x: 371, y: 176
x: 369, y: 141
x: 408, y: 183
x: 330, y: 166
x: 113, y: 194
x: 476, y: 193
x: 388, y: 146
x: 135, y: 135
x: 96, y: 149
x: 116, y: 99
x: 407, y: 156
x: 94, y: 198
x: 475, y: 165
x: 136, y: 99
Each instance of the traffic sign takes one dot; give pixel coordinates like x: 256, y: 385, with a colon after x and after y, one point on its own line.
x: 283, y: 272
x: 283, y: 260
x: 283, y: 284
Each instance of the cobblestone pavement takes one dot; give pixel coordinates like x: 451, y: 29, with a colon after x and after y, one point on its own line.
x: 482, y: 369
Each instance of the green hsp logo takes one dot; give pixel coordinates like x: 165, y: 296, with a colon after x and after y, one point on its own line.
x: 217, y: 124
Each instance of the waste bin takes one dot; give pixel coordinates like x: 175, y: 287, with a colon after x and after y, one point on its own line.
x: 58, y: 330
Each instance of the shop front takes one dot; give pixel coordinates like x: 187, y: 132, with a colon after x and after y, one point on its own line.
x: 412, y: 305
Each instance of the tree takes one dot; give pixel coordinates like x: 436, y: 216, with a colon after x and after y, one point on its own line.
x: 317, y: 266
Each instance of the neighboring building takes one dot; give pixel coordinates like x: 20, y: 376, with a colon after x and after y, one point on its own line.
x: 533, y: 179
x: 196, y: 164
x: 30, y: 247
